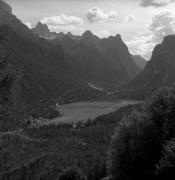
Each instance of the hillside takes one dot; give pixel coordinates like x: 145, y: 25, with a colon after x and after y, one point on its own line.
x: 140, y: 61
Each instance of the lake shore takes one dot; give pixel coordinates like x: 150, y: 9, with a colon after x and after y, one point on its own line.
x: 83, y: 111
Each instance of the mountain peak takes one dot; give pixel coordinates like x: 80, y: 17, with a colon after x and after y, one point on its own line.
x: 42, y: 26
x: 5, y: 8
x: 87, y: 34
x: 42, y: 30
x: 118, y: 36
x: 69, y: 34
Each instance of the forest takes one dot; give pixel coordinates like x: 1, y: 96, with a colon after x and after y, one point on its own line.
x: 136, y: 143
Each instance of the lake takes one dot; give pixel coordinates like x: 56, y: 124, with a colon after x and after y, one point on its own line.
x: 82, y: 111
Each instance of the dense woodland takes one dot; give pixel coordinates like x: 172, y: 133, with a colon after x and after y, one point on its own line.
x: 141, y: 147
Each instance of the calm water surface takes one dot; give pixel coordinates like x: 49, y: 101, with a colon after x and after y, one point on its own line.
x: 82, y: 111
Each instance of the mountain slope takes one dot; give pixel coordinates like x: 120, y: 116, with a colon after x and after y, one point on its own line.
x: 140, y: 61
x: 117, y: 55
x: 7, y: 18
x: 159, y: 71
x: 45, y: 72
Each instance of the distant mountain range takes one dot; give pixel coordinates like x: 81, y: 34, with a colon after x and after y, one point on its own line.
x: 51, y: 64
x: 100, y: 61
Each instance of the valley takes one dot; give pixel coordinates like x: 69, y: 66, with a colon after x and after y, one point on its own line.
x: 85, y: 106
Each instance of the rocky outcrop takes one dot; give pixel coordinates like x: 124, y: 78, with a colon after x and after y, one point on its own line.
x: 5, y: 9
x: 42, y: 30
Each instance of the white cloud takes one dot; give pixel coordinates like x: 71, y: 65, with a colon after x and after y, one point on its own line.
x: 28, y: 24
x: 96, y: 14
x: 162, y: 25
x: 130, y: 18
x: 63, y: 23
x: 62, y: 20
x: 103, y: 33
x: 141, y: 44
x: 155, y: 3
x: 70, y: 28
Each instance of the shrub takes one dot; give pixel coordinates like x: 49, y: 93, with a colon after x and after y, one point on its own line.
x: 161, y: 110
x: 166, y: 166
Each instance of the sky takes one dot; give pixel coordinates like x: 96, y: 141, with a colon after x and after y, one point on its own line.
x: 141, y: 23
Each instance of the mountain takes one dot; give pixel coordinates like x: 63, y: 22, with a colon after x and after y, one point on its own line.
x: 159, y: 71
x: 140, y: 61
x: 43, y: 31
x: 100, y: 61
x: 45, y: 71
x: 47, y: 68
x: 119, y: 60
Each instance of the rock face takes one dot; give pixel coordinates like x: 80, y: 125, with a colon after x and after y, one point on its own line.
x: 7, y: 18
x: 159, y: 71
x: 105, y: 61
x: 43, y: 31
x: 140, y: 61
x: 4, y: 9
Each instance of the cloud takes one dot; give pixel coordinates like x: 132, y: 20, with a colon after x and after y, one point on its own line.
x: 130, y: 18
x: 63, y: 23
x: 141, y: 44
x: 62, y: 20
x: 103, y: 33
x: 155, y: 3
x: 163, y: 24
x: 28, y: 24
x: 96, y: 14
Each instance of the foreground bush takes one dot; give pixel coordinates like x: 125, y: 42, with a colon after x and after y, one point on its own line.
x: 139, y: 140
x: 134, y: 149
x: 72, y: 174
x: 166, y: 166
